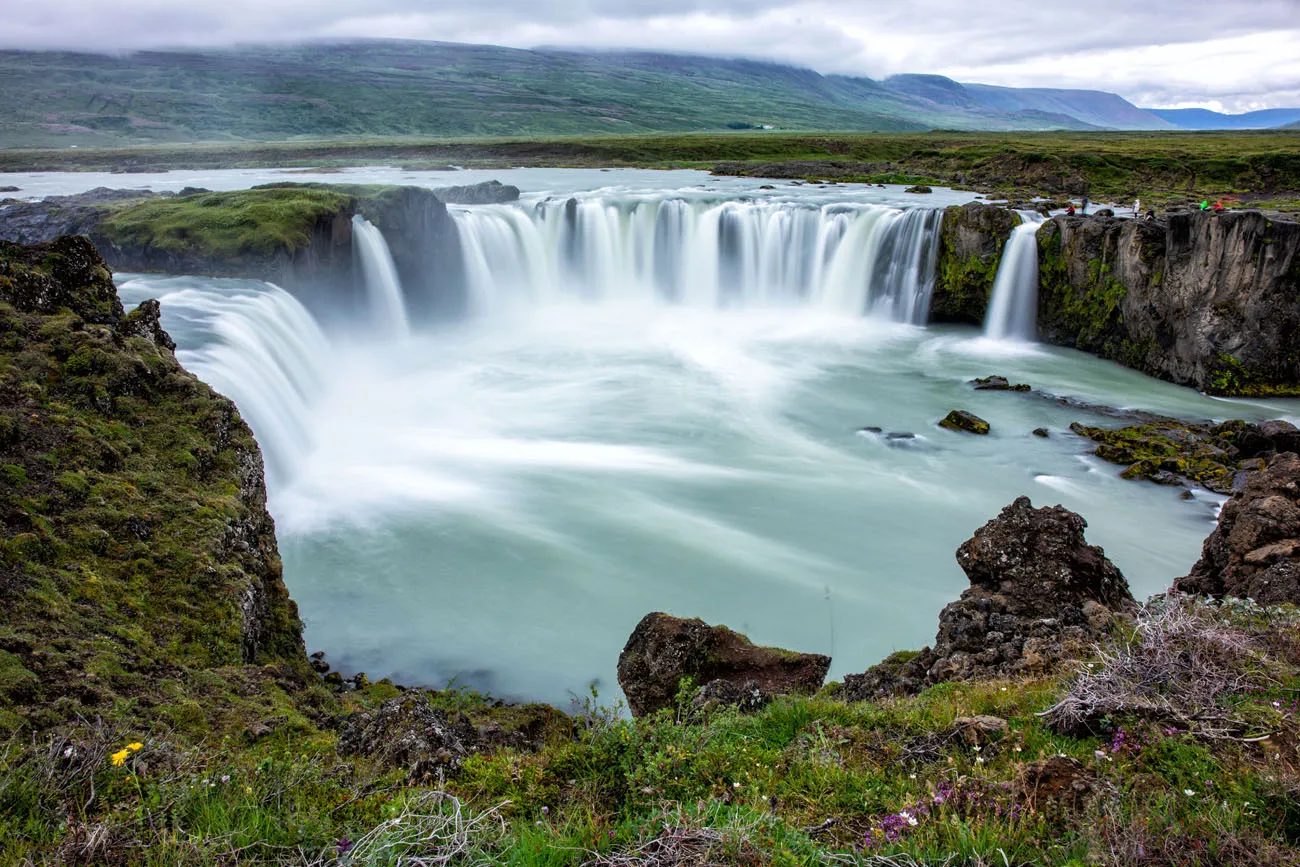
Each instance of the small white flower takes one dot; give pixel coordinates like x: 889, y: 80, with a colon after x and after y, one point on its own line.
x: 1188, y: 792
x: 911, y: 776
x: 735, y: 785
x: 979, y: 760
x: 67, y: 754
x: 977, y: 749
x: 911, y: 820
x: 1017, y: 749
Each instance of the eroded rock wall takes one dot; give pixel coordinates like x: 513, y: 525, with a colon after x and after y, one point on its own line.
x: 1210, y: 301
x: 970, y: 249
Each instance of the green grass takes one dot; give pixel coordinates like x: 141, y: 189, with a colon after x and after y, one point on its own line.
x: 1162, y: 168
x: 224, y: 225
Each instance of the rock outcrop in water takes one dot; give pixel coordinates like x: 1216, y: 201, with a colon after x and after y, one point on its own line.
x: 137, y: 549
x: 1254, y: 552
x: 1168, y: 451
x: 972, y: 239
x: 663, y: 650
x: 1039, y: 593
x: 1210, y: 301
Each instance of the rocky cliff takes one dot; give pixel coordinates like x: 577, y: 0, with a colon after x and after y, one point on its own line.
x: 298, y: 236
x: 970, y: 249
x: 137, y: 553
x: 1210, y: 301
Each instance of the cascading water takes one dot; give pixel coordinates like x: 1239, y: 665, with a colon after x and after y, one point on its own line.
x: 669, y: 425
x: 383, y: 287
x: 1013, y: 309
x: 852, y: 259
x: 260, y: 346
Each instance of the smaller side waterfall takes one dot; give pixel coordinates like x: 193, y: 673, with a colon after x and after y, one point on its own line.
x: 1013, y: 310
x: 383, y: 286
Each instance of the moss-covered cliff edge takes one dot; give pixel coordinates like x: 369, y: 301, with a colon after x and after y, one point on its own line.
x: 298, y: 236
x: 138, y: 554
x: 971, y: 241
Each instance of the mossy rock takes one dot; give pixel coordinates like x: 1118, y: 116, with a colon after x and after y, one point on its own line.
x: 961, y: 420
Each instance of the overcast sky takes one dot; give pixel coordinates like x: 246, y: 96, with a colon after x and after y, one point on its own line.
x: 1231, y: 55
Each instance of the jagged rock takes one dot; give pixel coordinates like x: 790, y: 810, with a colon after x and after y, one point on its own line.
x: 485, y: 193
x: 748, y: 696
x: 1282, y: 435
x: 663, y: 650
x: 407, y: 732
x: 977, y: 730
x: 1254, y: 552
x: 919, y: 188
x: 961, y: 420
x: 997, y: 383
x: 1056, y: 783
x: 1168, y: 450
x: 1039, y: 593
x: 1042, y: 432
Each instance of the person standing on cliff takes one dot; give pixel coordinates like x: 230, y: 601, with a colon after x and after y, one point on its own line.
x: 1137, y: 208
x: 1085, y: 206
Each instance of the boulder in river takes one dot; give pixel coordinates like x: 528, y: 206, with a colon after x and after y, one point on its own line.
x: 663, y: 650
x: 1254, y: 552
x: 961, y: 420
x: 997, y: 383
x: 1039, y: 593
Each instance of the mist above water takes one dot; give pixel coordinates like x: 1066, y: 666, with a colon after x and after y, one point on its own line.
x: 656, y: 404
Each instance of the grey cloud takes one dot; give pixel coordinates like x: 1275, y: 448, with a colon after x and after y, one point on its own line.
x: 1023, y: 42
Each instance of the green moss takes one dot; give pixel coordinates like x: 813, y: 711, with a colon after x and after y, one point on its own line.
x: 1162, y: 449
x: 227, y: 225
x: 1230, y: 376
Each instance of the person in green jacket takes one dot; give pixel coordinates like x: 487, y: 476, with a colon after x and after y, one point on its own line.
x: 1205, y: 205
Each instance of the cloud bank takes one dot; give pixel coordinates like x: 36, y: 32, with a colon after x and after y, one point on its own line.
x: 1233, y: 55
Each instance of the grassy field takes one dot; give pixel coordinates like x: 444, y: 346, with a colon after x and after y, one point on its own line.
x: 804, y: 781
x: 1168, y: 166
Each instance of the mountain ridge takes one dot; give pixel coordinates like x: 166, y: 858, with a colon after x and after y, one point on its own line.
x: 395, y: 88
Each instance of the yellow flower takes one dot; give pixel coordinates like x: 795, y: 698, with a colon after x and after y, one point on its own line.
x: 119, y: 758
x: 135, y: 746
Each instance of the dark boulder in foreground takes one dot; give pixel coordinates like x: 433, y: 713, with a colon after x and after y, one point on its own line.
x: 1254, y: 553
x: 961, y: 420
x: 663, y: 650
x: 1039, y: 593
x: 408, y: 732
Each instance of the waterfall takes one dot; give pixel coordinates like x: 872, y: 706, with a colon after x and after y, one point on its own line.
x: 1013, y: 309
x: 264, y: 348
x: 383, y: 287
x: 848, y: 258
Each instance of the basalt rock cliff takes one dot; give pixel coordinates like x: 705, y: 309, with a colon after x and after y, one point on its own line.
x: 971, y: 241
x: 1210, y: 301
x: 1254, y: 552
x: 298, y: 236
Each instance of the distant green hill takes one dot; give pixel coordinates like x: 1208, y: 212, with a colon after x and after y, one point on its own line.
x: 406, y: 88
x: 1204, y: 119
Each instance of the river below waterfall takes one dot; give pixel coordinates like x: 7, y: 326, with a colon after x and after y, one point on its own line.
x: 656, y: 403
